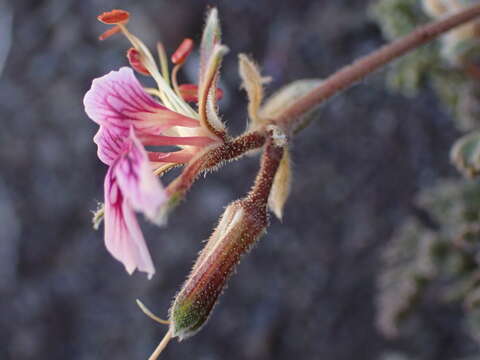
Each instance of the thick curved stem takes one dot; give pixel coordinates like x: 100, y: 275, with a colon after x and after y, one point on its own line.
x: 350, y: 74
x: 214, y: 157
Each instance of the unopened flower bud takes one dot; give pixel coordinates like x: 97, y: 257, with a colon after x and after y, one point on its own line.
x: 240, y: 226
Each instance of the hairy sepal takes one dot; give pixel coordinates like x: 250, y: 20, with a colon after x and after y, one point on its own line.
x: 281, y: 186
x: 211, y: 36
x: 207, y: 100
x: 252, y: 82
x: 276, y: 104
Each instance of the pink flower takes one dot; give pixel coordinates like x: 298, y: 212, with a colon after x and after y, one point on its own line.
x: 129, y: 120
x: 129, y: 186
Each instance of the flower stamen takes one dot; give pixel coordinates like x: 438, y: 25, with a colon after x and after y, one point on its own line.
x: 175, y: 70
x: 178, y: 58
x: 162, y: 55
x: 115, y: 16
x: 110, y: 32
x: 189, y: 92
x: 182, y: 52
x: 133, y: 57
x: 169, y: 98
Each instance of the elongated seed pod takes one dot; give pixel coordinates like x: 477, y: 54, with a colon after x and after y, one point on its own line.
x: 235, y: 234
x: 242, y: 223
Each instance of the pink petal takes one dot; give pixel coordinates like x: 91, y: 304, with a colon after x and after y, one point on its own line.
x: 123, y: 237
x: 118, y: 100
x: 110, y: 144
x: 137, y: 181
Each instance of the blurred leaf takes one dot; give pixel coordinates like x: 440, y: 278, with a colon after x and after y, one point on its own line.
x: 465, y: 154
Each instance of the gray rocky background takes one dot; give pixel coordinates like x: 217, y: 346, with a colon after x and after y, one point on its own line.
x: 307, y: 291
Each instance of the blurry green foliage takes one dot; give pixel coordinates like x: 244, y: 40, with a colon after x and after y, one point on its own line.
x: 438, y: 262
x: 444, y: 65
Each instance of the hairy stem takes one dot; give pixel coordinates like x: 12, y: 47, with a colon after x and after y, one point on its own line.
x: 214, y: 157
x: 350, y: 74
x: 331, y: 86
x: 260, y: 191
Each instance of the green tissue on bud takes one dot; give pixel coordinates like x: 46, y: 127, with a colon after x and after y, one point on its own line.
x: 465, y: 154
x: 240, y: 226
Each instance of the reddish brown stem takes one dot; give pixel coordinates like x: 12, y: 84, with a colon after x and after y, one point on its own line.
x: 350, y: 74
x: 214, y: 157
x: 258, y: 195
x: 243, y: 222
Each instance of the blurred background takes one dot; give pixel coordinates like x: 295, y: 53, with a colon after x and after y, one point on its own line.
x: 307, y: 291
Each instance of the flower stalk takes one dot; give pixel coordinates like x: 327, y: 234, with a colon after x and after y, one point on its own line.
x: 213, y: 157
x: 291, y: 117
x: 368, y: 64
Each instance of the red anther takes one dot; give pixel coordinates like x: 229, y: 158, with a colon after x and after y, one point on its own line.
x: 218, y: 94
x: 116, y: 16
x: 189, y: 92
x: 181, y: 54
x: 133, y: 57
x: 110, y: 32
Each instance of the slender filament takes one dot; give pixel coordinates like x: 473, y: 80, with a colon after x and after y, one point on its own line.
x: 150, y: 314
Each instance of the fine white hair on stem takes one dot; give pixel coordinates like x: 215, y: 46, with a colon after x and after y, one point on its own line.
x: 161, y: 346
